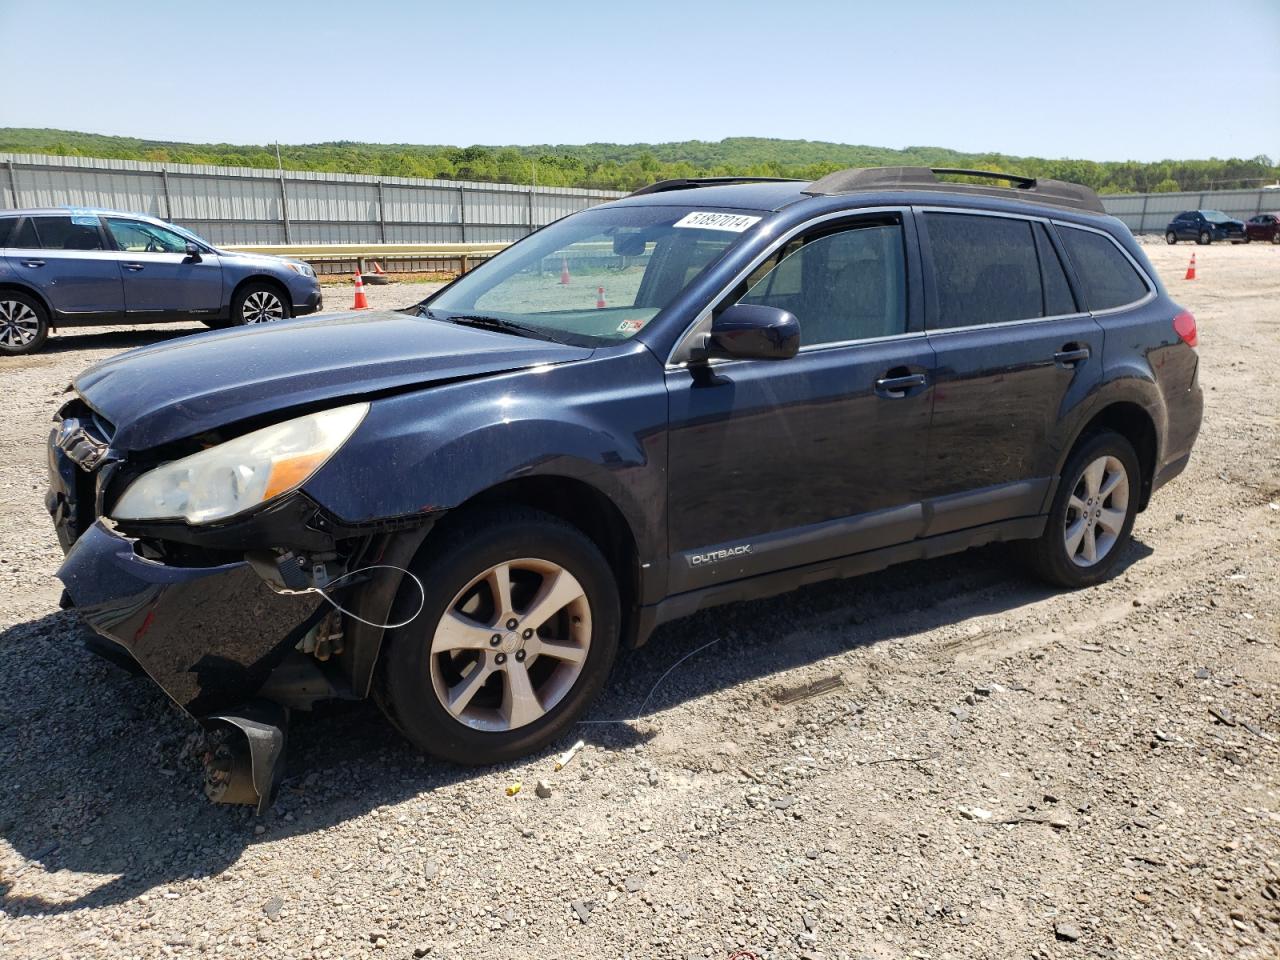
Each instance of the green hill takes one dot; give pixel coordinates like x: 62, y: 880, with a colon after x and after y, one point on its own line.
x: 617, y: 166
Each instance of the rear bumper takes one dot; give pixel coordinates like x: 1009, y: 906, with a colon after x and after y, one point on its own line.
x: 209, y: 636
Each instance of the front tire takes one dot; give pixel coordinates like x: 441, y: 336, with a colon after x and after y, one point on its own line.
x: 24, y: 323
x: 1171, y: 238
x: 258, y: 303
x: 1091, y: 519
x: 1205, y: 238
x: 517, y: 636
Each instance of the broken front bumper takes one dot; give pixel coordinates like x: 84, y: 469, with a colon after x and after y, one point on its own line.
x: 209, y: 636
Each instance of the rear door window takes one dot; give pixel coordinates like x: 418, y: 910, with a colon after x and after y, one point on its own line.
x: 1107, y: 275
x: 63, y: 233
x: 986, y: 270
x: 24, y: 236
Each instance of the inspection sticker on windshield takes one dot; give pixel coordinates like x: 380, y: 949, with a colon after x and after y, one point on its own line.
x: 631, y: 326
x: 733, y: 222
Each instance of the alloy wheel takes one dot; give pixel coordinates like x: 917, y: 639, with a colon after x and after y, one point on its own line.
x: 19, y: 324
x: 1096, y: 511
x: 511, y: 645
x: 261, y: 306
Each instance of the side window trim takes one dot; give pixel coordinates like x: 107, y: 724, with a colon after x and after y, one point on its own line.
x: 1146, y: 278
x: 930, y: 275
x: 1047, y: 234
x: 829, y: 221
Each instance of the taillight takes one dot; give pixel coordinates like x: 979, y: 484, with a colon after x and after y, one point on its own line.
x: 1184, y: 325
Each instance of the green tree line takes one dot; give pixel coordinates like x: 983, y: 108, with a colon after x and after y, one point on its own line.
x: 614, y: 166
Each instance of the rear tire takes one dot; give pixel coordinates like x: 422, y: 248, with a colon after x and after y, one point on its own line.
x: 454, y: 692
x: 1171, y: 238
x: 1091, y: 519
x: 24, y: 323
x: 258, y: 303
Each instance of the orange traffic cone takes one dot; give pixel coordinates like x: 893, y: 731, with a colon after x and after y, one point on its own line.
x: 361, y: 303
x: 564, y: 271
x: 1191, y: 268
x: 377, y: 268
x: 599, y: 298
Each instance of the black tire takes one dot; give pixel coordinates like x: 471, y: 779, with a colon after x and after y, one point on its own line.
x: 1048, y: 555
x: 1275, y: 237
x: 1205, y: 238
x: 450, y: 560
x: 18, y: 311
x: 1171, y: 238
x: 253, y: 294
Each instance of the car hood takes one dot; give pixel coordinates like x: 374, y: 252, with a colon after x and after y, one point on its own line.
x: 174, y: 390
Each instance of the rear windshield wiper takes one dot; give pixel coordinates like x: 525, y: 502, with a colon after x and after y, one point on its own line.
x: 495, y: 323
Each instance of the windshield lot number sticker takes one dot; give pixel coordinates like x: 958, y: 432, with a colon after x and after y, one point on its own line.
x: 733, y: 222
x: 630, y: 326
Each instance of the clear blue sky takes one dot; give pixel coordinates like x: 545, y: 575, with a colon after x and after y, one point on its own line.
x: 1100, y: 80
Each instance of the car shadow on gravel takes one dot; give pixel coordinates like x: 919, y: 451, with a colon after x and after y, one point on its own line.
x: 101, y: 780
x: 66, y: 341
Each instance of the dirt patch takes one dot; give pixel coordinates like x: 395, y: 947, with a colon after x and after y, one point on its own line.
x: 998, y: 771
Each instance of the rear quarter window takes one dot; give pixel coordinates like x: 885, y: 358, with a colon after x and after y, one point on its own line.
x: 6, y: 228
x: 1108, y: 278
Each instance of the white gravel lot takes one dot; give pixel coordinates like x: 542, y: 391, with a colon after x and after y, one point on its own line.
x: 1002, y: 771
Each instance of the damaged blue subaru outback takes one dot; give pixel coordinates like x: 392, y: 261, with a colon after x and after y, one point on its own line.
x: 704, y: 392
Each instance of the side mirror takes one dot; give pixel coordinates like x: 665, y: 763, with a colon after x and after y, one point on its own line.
x: 747, y: 331
x: 193, y: 252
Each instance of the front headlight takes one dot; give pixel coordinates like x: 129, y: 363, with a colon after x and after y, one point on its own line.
x: 297, y: 266
x: 242, y: 473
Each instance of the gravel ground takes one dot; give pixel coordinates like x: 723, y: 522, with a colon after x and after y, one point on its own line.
x: 999, y: 771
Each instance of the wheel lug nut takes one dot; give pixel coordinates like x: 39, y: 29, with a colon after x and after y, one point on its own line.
x: 511, y: 624
x: 495, y: 640
x: 500, y: 658
x: 520, y: 656
x: 527, y: 633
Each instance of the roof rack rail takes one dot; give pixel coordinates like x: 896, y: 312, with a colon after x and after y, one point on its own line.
x: 662, y: 186
x: 1058, y: 193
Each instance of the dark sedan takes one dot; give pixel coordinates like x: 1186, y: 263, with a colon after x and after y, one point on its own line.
x: 1265, y: 226
x: 1204, y: 226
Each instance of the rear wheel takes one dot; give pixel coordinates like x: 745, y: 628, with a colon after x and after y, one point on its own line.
x: 1092, y: 515
x: 24, y: 324
x: 1171, y: 238
x: 1275, y: 237
x: 517, y: 636
x: 258, y: 303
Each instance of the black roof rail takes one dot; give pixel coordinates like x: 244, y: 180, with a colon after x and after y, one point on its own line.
x: 662, y: 186
x: 1058, y: 193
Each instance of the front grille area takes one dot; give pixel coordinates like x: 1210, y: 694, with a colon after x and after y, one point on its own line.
x: 78, y: 446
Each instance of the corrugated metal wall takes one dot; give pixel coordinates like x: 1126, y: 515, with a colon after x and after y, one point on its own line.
x: 1151, y: 212
x: 245, y: 205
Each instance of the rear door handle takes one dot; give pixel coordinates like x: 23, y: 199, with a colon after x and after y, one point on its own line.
x: 895, y: 387
x: 135, y: 267
x: 1070, y: 355
x: 33, y: 263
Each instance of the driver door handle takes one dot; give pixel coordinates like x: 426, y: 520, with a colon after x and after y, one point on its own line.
x: 33, y: 263
x: 896, y: 387
x: 135, y: 267
x: 1070, y: 355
